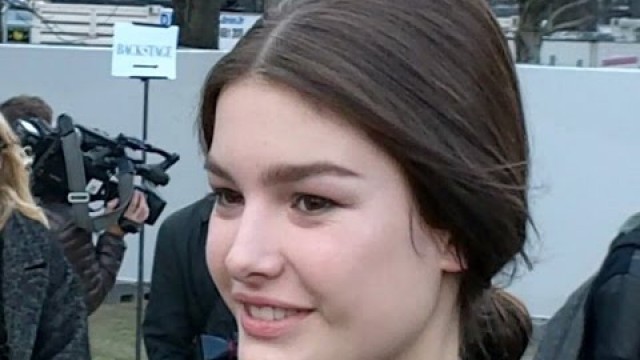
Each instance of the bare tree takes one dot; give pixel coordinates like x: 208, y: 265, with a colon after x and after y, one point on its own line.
x: 199, y: 22
x: 540, y: 18
x: 268, y: 4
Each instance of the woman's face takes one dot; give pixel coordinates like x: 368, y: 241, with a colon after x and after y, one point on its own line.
x: 314, y: 241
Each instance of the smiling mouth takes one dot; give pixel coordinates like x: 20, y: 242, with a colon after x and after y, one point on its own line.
x: 270, y: 313
x: 269, y: 322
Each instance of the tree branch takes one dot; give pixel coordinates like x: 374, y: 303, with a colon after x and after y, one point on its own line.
x: 533, y: 8
x: 569, y: 25
x: 562, y: 10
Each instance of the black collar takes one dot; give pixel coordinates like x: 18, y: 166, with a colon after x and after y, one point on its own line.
x: 205, y: 207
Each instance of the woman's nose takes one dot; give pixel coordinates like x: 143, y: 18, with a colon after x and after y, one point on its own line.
x: 254, y: 255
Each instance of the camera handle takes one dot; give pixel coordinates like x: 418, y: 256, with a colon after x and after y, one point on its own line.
x: 78, y: 196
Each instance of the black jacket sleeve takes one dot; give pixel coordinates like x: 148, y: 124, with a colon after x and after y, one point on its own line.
x: 168, y: 331
x: 616, y: 313
x: 97, y: 266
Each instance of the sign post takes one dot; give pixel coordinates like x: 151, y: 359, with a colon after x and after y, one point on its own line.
x: 144, y: 52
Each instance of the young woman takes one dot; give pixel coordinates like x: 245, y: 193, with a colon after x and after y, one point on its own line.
x: 370, y: 163
x: 43, y: 315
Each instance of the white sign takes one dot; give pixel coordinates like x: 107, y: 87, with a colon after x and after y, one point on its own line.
x: 144, y: 50
x: 233, y: 26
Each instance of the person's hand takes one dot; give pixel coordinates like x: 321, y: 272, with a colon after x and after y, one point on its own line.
x: 137, y: 212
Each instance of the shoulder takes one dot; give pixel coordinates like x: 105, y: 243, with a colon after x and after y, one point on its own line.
x: 193, y: 213
x: 631, y: 224
x: 622, y: 260
x: 23, y: 232
x: 28, y: 243
x: 59, y: 215
x: 627, y: 241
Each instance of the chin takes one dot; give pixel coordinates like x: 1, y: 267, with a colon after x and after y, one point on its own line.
x: 254, y: 350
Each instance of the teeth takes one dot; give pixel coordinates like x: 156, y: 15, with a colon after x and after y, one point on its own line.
x: 265, y: 313
x: 269, y: 313
x: 278, y: 314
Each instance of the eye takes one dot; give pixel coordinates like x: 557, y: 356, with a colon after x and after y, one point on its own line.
x: 313, y: 205
x: 227, y: 197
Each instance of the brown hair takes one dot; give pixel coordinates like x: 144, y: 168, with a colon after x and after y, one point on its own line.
x: 497, y: 309
x: 25, y: 106
x: 433, y: 84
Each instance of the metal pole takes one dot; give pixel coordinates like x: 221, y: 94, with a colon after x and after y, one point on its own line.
x: 140, y: 292
x: 4, y: 19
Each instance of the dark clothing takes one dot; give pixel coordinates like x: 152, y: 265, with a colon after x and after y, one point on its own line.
x: 612, y: 317
x: 184, y: 302
x: 96, y: 265
x: 564, y: 332
x: 601, y: 319
x: 45, y: 316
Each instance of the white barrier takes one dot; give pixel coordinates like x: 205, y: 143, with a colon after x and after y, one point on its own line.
x: 85, y: 24
x: 583, y: 125
x: 92, y: 24
x: 584, y: 133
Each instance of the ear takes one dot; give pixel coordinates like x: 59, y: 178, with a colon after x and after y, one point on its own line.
x: 451, y: 260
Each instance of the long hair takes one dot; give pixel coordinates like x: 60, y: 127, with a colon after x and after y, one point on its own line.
x: 15, y: 192
x: 433, y: 84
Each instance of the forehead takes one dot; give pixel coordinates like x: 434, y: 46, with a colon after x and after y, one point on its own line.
x: 260, y: 127
x: 256, y: 114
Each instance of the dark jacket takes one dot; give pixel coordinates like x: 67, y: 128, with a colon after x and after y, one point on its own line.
x: 96, y: 265
x: 45, y: 316
x: 612, y: 316
x: 601, y: 319
x: 564, y: 332
x: 184, y: 301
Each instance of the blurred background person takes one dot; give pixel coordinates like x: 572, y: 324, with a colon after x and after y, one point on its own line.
x: 184, y: 304
x: 44, y: 316
x: 600, y: 320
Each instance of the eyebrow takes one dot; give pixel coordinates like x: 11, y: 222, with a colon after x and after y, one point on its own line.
x: 287, y: 173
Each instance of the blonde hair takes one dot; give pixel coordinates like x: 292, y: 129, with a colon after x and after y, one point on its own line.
x: 15, y: 192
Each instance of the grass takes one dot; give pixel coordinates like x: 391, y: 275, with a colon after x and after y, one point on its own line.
x: 112, y: 330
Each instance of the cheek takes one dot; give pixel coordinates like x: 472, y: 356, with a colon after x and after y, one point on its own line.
x: 361, y: 268
x: 358, y: 257
x: 217, y: 249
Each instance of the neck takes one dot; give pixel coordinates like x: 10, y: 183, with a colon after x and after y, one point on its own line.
x: 441, y: 337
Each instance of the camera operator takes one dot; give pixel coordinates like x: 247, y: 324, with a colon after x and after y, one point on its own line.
x: 97, y: 265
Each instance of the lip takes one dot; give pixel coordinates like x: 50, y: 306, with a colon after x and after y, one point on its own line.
x: 268, y: 329
x: 256, y: 300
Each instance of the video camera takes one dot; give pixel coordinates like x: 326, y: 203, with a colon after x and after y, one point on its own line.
x: 80, y: 165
